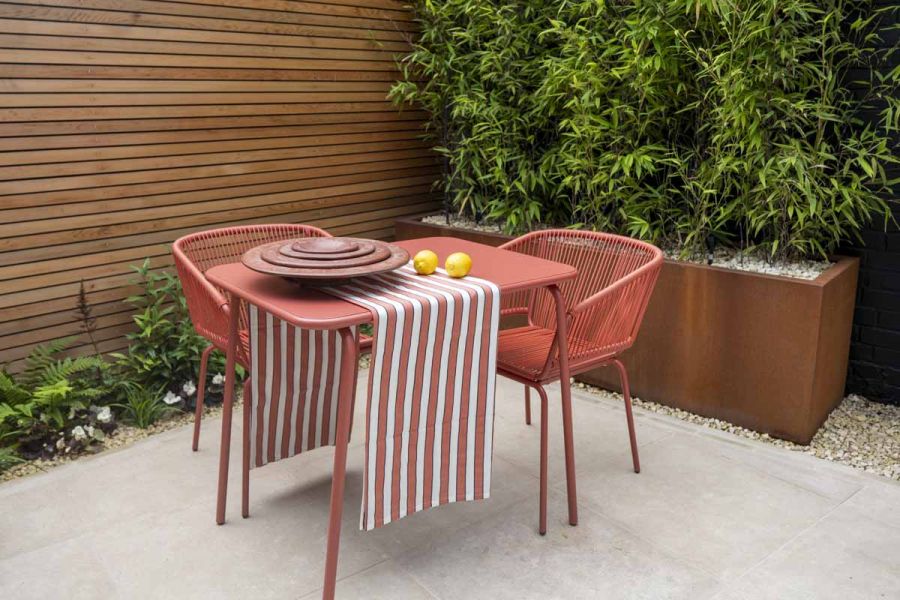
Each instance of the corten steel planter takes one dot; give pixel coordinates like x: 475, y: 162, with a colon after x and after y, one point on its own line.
x: 764, y: 352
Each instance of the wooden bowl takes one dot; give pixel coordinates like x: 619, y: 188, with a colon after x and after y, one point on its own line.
x: 325, y: 259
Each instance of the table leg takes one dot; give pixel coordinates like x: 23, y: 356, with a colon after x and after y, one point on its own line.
x: 228, y: 401
x: 566, y: 392
x: 349, y: 359
x: 245, y: 452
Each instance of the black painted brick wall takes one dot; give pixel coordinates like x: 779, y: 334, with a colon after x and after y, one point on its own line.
x: 875, y: 346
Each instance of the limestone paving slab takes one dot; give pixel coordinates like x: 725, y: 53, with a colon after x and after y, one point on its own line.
x: 709, y: 517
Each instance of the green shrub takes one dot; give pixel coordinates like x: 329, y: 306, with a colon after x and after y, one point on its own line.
x: 52, y: 396
x: 54, y: 404
x: 165, y: 350
x: 670, y: 120
x: 9, y: 458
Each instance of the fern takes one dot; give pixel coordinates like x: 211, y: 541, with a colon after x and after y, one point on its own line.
x: 52, y: 390
x: 10, y: 392
x: 68, y: 368
x: 56, y: 403
x: 41, y: 358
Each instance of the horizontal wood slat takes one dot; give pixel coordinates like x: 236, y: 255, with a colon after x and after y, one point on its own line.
x: 131, y: 221
x: 87, y: 44
x: 285, y: 25
x: 305, y: 13
x: 188, y: 60
x: 182, y: 111
x: 202, y: 154
x: 212, y: 179
x: 215, y: 123
x: 129, y: 123
x: 130, y: 32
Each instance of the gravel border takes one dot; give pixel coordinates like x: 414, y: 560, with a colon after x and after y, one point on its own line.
x: 859, y: 433
x: 722, y: 257
x: 462, y: 223
x: 124, y: 435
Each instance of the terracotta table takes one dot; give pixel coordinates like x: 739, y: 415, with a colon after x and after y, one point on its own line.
x: 311, y: 309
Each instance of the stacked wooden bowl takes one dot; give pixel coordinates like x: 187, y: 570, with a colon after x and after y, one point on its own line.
x: 324, y: 260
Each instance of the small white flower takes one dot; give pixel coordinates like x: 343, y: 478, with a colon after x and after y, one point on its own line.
x: 60, y: 443
x: 89, y: 429
x: 171, y: 398
x: 218, y: 379
x: 189, y: 388
x: 79, y: 433
x: 104, y: 415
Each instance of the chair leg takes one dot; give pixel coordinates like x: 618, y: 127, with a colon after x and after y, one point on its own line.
x: 201, y: 390
x: 565, y: 386
x: 227, y: 406
x: 542, y: 525
x: 626, y: 392
x: 245, y: 467
x: 527, y: 405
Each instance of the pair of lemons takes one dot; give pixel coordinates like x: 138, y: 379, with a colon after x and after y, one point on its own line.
x: 457, y: 264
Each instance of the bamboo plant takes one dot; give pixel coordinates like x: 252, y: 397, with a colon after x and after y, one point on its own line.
x: 677, y: 121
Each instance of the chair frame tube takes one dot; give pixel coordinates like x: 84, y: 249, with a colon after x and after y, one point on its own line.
x: 628, y: 293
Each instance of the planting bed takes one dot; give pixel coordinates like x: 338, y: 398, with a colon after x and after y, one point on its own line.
x: 124, y: 435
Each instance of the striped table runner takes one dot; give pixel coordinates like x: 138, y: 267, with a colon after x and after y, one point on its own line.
x: 430, y: 414
x: 294, y: 376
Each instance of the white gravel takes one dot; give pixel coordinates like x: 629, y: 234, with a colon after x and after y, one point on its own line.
x: 124, y: 435
x: 859, y: 433
x: 463, y: 223
x: 724, y: 258
x: 732, y: 259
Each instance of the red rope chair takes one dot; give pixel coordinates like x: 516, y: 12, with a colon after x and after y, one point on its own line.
x: 198, y: 252
x: 605, y: 306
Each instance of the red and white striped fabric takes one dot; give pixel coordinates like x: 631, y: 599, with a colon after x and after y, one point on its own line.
x: 430, y: 418
x: 294, y: 375
x: 430, y: 415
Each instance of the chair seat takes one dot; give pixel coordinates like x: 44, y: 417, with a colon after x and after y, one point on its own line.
x: 522, y: 351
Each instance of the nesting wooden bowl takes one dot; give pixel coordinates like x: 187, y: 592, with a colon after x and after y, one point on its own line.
x: 324, y: 261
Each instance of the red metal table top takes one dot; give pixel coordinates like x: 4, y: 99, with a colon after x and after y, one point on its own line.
x: 312, y: 309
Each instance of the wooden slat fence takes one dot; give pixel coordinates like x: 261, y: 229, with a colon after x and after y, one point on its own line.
x: 127, y: 123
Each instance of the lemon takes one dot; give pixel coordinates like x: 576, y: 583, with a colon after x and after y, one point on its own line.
x: 425, y: 262
x: 458, y: 264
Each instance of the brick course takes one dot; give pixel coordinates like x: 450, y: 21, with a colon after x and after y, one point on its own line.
x: 875, y: 346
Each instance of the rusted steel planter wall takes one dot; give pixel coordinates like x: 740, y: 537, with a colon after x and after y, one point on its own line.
x: 126, y: 125
x: 769, y: 353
